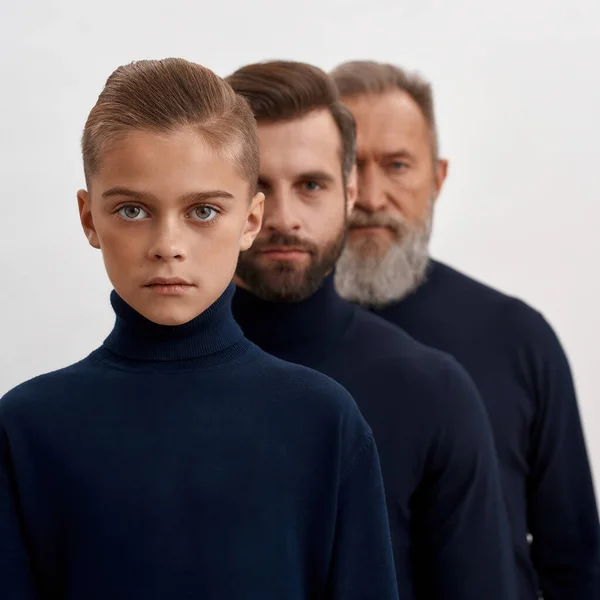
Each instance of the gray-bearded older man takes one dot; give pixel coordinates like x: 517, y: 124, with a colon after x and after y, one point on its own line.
x: 508, y: 348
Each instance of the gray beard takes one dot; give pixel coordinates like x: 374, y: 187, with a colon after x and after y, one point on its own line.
x: 363, y: 277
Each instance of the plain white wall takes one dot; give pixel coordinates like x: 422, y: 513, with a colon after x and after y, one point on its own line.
x: 517, y: 92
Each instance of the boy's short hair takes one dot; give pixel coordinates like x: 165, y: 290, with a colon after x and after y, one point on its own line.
x: 368, y: 77
x: 164, y: 95
x: 285, y: 90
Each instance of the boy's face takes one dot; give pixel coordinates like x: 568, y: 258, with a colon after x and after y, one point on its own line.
x: 306, y: 207
x: 170, y: 216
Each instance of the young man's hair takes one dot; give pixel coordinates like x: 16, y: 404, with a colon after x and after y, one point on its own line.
x: 285, y: 90
x: 163, y: 96
x: 365, y: 77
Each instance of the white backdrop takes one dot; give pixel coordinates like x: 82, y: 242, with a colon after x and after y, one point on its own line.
x: 517, y: 91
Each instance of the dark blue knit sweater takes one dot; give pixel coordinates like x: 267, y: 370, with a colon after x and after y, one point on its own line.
x: 447, y: 518
x: 183, y: 462
x: 521, y: 371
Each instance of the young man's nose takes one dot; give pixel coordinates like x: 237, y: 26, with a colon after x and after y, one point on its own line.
x: 280, y: 214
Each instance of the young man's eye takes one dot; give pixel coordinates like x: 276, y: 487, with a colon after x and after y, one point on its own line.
x: 203, y: 213
x: 311, y: 186
x: 131, y: 212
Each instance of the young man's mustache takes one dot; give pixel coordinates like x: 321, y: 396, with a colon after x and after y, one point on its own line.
x: 279, y: 240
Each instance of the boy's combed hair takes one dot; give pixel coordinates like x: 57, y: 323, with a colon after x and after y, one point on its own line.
x: 164, y: 95
x: 367, y: 77
x: 284, y: 90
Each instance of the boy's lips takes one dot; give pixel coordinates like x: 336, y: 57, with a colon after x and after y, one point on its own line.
x: 169, y: 286
x: 168, y: 281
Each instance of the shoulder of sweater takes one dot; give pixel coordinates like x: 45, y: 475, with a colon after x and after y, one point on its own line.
x: 386, y: 339
x: 41, y: 388
x: 507, y: 314
x: 389, y: 344
x: 420, y: 372
x: 467, y: 287
x: 297, y: 383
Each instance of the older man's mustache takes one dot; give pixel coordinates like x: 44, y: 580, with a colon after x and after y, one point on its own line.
x: 394, y: 223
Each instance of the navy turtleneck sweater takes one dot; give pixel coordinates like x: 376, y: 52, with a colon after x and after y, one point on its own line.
x: 521, y: 371
x: 442, y: 484
x: 184, y: 462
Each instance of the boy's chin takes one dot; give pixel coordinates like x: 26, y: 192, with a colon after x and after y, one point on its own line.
x: 172, y: 311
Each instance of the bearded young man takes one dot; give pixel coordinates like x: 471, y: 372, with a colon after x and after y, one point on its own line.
x: 508, y: 348
x: 446, y: 514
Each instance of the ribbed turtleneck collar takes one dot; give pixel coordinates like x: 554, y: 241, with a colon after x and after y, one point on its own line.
x: 279, y: 326
x: 135, y: 337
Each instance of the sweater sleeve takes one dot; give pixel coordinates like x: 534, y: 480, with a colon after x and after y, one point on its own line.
x: 461, y: 546
x: 16, y: 579
x: 362, y: 566
x: 562, y: 511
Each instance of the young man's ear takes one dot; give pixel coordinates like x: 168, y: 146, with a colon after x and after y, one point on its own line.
x: 441, y: 171
x: 85, y: 216
x: 253, y: 221
x: 351, y: 190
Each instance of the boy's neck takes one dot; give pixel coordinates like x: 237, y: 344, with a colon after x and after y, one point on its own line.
x: 135, y: 337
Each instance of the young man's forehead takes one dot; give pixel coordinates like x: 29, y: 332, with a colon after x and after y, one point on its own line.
x: 317, y: 125
x: 310, y: 144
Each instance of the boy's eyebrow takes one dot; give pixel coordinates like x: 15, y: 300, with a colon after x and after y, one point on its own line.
x: 121, y: 191
x: 203, y: 196
x: 207, y: 195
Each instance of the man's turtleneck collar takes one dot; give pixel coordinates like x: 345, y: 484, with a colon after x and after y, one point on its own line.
x: 320, y: 318
x: 135, y: 337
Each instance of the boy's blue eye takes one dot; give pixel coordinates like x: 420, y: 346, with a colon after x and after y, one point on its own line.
x: 132, y: 212
x: 204, y: 213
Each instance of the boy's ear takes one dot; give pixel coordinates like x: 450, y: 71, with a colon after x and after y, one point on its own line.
x: 85, y: 216
x: 253, y: 221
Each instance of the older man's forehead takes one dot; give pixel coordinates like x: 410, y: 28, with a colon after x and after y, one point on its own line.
x: 384, y: 120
